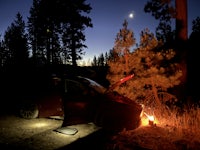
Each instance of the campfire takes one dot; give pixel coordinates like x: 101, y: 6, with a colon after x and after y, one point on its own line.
x: 148, y: 120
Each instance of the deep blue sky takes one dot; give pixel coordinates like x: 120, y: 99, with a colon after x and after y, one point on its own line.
x: 107, y: 18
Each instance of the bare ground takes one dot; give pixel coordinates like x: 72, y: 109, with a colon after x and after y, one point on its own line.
x: 19, y: 133
x: 35, y: 134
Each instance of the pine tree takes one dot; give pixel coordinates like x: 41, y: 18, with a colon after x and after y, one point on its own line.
x: 56, y: 30
x: 193, y: 60
x: 73, y: 27
x: 121, y: 52
x: 153, y: 69
x: 16, y: 42
x: 165, y: 12
x: 94, y: 62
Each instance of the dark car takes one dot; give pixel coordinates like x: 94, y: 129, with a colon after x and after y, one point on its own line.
x: 82, y: 100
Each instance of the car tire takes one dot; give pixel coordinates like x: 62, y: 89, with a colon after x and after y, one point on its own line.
x: 29, y: 111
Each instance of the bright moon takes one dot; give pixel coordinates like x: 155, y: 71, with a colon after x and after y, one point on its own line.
x: 131, y: 15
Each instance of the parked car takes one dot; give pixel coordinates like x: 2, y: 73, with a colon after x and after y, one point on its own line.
x: 82, y: 100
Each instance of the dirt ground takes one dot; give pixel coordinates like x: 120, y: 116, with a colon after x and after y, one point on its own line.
x: 35, y: 134
x: 40, y: 134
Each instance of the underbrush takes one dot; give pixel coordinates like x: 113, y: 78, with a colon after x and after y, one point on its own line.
x: 187, y: 117
x: 176, y: 128
x: 181, y: 120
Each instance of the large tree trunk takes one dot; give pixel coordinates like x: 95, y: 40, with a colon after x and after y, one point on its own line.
x: 181, y: 43
x: 181, y: 20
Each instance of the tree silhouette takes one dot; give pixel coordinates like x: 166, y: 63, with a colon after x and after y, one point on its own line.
x: 43, y: 33
x: 3, y: 54
x: 193, y: 60
x: 163, y: 11
x: 56, y: 29
x: 94, y: 61
x: 73, y: 36
x: 16, y: 43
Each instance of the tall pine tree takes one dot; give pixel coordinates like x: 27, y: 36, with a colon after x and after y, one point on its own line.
x: 16, y: 42
x: 56, y: 29
x: 123, y: 42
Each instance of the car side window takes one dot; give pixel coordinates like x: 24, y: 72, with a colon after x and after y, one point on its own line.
x: 74, y: 87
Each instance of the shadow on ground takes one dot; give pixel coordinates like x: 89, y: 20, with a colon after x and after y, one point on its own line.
x: 98, y: 140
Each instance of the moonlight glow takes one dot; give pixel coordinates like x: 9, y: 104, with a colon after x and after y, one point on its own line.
x: 131, y: 15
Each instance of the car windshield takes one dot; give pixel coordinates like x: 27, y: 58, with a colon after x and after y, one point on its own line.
x: 96, y: 86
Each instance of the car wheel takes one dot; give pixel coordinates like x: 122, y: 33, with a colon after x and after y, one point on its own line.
x: 29, y: 111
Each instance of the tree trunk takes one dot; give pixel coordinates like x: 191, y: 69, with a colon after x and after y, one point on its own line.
x: 181, y: 20
x: 181, y: 44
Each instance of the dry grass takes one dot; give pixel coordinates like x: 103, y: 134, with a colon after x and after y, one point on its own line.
x: 186, y: 119
x: 173, y: 129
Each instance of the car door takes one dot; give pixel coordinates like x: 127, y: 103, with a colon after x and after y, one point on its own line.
x: 77, y: 102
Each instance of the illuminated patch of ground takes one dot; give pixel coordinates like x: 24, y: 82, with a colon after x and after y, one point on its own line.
x: 38, y: 133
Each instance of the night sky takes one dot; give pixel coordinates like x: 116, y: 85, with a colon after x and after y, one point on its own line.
x: 107, y: 18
